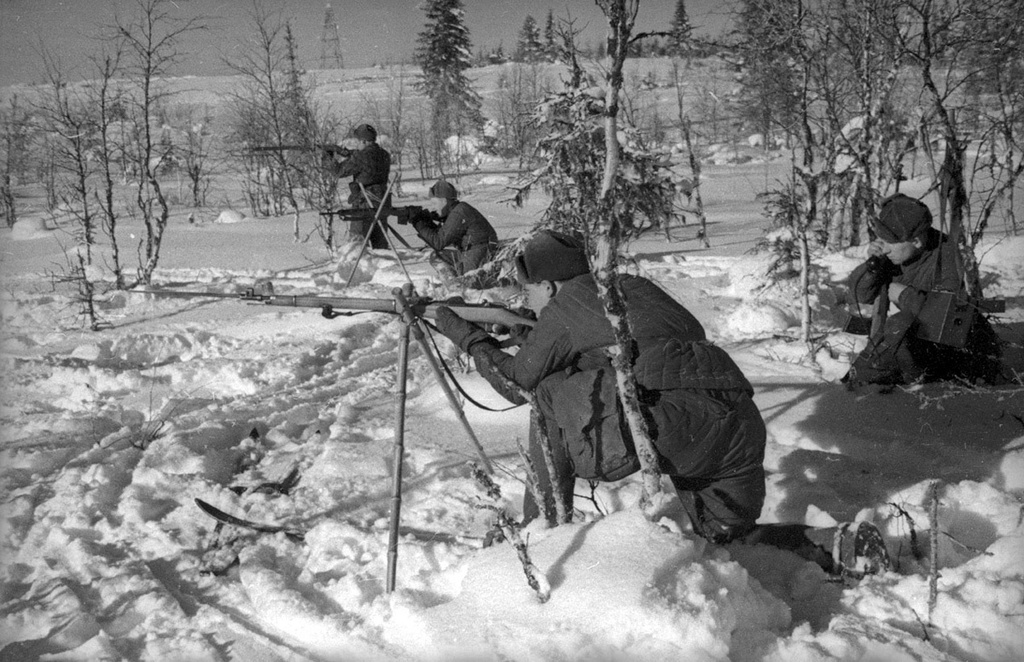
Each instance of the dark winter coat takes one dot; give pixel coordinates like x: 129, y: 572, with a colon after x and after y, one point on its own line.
x: 370, y: 167
x: 897, y: 355
x: 934, y: 269
x: 463, y: 228
x: 696, y: 400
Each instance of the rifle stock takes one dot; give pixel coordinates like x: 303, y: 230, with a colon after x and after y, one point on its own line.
x: 478, y: 313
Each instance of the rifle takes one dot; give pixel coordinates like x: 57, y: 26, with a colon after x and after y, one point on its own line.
x: 478, y: 313
x: 350, y: 215
x: 331, y: 149
x: 403, y: 214
x: 363, y: 215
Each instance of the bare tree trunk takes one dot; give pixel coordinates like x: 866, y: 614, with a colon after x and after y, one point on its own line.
x: 695, y: 171
x: 952, y: 188
x: 621, y: 16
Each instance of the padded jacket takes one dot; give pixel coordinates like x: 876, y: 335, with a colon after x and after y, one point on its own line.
x: 695, y: 398
x: 370, y: 167
x: 934, y: 269
x: 464, y: 228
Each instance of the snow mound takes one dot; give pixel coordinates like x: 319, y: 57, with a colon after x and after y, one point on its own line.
x: 669, y: 593
x: 29, y: 228
x: 753, y: 319
x: 230, y: 216
x: 354, y: 268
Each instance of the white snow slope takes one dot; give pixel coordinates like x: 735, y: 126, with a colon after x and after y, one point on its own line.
x: 109, y: 437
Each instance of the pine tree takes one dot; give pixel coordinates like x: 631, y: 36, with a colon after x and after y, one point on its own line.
x: 768, y: 76
x: 681, y: 31
x: 529, y: 48
x: 550, y: 38
x: 443, y: 52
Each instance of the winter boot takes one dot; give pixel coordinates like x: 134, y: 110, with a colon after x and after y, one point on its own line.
x: 858, y: 550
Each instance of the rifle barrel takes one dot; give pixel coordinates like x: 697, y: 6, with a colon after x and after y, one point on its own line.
x: 481, y: 313
x: 304, y: 148
x: 183, y: 294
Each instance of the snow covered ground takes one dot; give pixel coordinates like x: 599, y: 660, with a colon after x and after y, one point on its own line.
x: 108, y: 438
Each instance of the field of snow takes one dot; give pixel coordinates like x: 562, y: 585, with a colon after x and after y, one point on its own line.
x: 107, y: 438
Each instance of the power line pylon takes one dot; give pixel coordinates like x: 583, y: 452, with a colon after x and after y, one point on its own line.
x: 330, y: 42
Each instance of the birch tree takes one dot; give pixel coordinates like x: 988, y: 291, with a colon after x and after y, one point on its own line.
x: 607, y: 187
x: 150, y: 41
x: 955, y: 44
x: 268, y: 112
x: 66, y: 116
x: 621, y: 15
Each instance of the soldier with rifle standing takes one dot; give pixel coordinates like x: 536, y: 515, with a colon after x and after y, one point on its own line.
x: 369, y: 166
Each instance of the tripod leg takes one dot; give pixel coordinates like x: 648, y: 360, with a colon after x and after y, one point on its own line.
x: 355, y: 265
x: 366, y: 239
x: 396, y: 486
x: 378, y: 222
x: 397, y: 236
x: 418, y: 333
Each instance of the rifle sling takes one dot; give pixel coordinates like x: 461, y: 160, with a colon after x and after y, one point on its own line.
x: 451, y: 375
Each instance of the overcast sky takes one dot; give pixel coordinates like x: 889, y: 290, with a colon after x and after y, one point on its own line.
x: 371, y: 31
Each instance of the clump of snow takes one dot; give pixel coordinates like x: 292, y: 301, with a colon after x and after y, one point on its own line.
x: 495, y: 180
x: 756, y: 320
x: 355, y: 264
x: 464, y: 148
x: 230, y: 216
x: 30, y: 227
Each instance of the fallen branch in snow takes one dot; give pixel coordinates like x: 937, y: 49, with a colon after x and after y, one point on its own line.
x: 933, y: 574
x: 511, y: 530
x: 592, y: 497
x: 955, y: 388
x: 967, y: 547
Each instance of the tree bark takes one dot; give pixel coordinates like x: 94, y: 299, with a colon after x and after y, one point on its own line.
x: 621, y: 17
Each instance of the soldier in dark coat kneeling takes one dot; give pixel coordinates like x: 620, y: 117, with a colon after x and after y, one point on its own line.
x: 939, y: 332
x: 458, y: 226
x: 706, y: 429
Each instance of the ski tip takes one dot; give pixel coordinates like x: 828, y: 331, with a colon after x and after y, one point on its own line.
x: 206, y: 507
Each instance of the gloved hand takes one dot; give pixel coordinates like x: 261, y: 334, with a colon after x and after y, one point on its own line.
x: 517, y: 333
x: 459, y: 331
x: 424, y: 219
